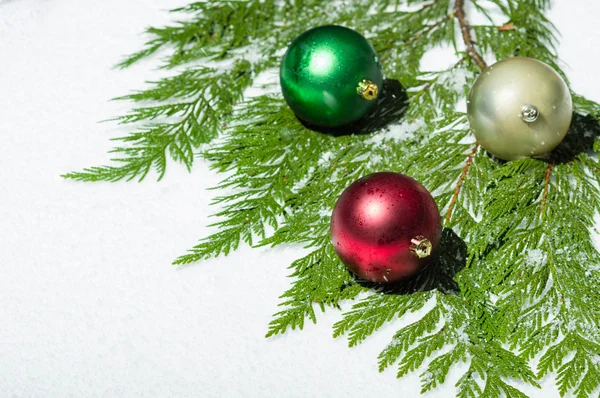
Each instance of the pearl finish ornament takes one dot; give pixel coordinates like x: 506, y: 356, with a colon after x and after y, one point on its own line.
x: 519, y: 107
x: 385, y: 227
x: 330, y: 76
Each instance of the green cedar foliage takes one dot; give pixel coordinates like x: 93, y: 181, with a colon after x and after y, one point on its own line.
x: 512, y: 295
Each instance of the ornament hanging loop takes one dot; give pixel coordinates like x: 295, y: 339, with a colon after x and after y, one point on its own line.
x: 368, y: 90
x: 420, y: 246
x: 529, y: 113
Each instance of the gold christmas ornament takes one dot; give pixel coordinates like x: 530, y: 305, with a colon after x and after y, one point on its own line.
x: 519, y: 107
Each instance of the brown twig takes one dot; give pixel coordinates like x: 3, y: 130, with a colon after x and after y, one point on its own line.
x: 434, y: 2
x: 547, y: 183
x: 466, y: 34
x: 460, y: 182
x: 459, y: 12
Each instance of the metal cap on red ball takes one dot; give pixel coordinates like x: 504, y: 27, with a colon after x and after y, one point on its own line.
x: 385, y: 227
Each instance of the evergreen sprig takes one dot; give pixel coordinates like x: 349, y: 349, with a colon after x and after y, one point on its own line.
x: 514, y: 284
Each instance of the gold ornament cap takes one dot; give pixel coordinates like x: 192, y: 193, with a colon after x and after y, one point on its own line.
x: 368, y: 90
x: 420, y: 246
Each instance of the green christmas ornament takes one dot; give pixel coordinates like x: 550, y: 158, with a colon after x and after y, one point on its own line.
x: 330, y: 76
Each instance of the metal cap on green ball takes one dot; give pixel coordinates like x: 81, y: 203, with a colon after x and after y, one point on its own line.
x: 331, y: 76
x: 519, y: 107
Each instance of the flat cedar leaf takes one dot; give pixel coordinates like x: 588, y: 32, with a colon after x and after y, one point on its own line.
x: 516, y: 273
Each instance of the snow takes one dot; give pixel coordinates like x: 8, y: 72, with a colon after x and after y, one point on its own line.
x: 89, y: 303
x: 302, y: 183
x: 399, y: 132
x: 326, y: 158
x: 267, y: 82
x: 536, y: 257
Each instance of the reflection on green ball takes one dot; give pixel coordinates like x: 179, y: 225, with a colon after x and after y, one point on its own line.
x: 330, y: 76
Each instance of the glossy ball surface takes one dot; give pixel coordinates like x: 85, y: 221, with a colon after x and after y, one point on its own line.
x: 497, y: 99
x: 320, y: 73
x: 374, y: 221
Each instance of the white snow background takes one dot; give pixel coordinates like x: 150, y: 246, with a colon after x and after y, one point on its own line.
x: 89, y: 304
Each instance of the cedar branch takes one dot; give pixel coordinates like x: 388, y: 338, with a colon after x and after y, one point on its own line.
x: 427, y: 30
x: 415, y: 37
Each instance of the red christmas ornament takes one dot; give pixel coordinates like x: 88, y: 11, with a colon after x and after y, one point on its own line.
x: 385, y: 227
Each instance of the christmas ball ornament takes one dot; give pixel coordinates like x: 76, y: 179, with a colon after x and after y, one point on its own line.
x: 330, y: 76
x: 519, y: 107
x: 385, y: 227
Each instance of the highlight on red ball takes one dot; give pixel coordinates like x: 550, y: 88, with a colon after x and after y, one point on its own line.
x: 385, y: 227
